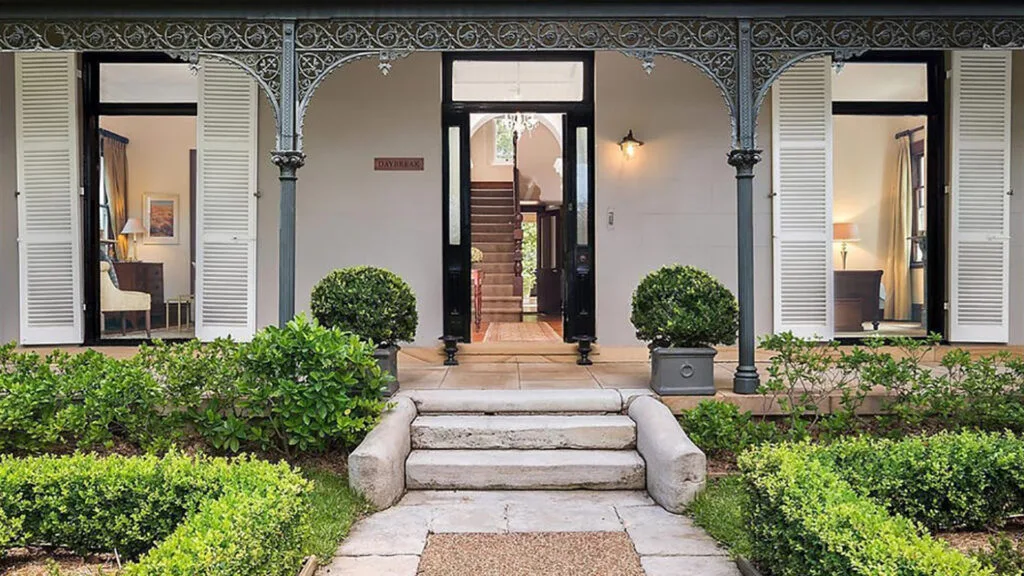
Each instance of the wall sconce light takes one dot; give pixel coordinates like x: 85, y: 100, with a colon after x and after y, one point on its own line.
x: 629, y: 145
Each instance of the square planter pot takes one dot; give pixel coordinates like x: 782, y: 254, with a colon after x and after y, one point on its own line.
x: 683, y: 371
x: 387, y: 358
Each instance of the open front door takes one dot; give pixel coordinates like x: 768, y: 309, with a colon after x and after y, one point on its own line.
x: 578, y: 226
x: 456, y: 226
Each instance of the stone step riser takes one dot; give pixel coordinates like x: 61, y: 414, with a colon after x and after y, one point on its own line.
x: 538, y: 432
x: 525, y: 470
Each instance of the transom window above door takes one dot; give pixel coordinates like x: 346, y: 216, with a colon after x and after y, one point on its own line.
x: 517, y: 81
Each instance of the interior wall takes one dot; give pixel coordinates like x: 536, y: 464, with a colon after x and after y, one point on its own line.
x: 481, y: 146
x: 347, y: 213
x: 537, y: 152
x: 158, y: 163
x: 10, y: 308
x: 864, y: 168
x: 675, y: 201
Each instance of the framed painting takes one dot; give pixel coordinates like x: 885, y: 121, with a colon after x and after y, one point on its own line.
x: 160, y: 213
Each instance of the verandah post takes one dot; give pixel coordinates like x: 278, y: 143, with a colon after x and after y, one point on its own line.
x: 743, y: 157
x: 289, y: 158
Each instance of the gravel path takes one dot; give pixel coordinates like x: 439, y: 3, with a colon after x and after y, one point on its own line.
x: 466, y: 533
x: 530, y: 554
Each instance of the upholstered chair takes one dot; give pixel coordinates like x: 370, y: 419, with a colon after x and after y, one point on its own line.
x: 113, y: 299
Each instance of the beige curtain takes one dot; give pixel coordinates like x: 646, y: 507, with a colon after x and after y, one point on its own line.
x: 115, y: 163
x: 897, y: 272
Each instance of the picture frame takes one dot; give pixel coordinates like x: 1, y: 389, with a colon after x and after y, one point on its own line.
x: 160, y: 218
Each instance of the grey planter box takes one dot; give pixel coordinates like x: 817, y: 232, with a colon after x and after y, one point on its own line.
x: 683, y: 371
x: 388, y: 360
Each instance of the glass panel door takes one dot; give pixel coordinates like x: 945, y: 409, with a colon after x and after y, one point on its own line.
x: 457, y: 242
x: 578, y: 199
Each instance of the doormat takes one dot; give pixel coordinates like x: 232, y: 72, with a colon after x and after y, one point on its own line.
x: 521, y: 332
x: 530, y: 554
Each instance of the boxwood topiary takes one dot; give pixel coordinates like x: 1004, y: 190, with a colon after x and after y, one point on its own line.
x: 371, y: 302
x: 684, y: 307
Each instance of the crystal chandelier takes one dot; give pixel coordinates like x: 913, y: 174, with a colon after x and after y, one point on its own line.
x: 519, y: 123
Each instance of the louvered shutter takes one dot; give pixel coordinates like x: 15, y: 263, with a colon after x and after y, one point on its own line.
x: 226, y: 199
x: 49, y: 202
x: 980, y: 230
x: 802, y: 205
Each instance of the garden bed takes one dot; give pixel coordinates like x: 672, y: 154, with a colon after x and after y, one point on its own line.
x: 40, y: 562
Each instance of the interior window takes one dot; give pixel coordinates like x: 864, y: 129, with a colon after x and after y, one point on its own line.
x: 503, y: 148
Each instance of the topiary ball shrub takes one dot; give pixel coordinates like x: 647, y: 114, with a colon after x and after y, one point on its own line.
x: 371, y: 302
x: 684, y: 307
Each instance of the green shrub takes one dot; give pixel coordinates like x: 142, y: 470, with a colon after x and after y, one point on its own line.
x: 85, y: 399
x: 946, y: 481
x: 205, y: 515
x: 371, y: 302
x: 720, y: 428
x: 684, y: 307
x: 307, y: 387
x: 806, y: 520
x: 298, y: 388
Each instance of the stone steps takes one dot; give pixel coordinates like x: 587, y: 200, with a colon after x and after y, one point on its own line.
x: 527, y: 432
x: 524, y: 470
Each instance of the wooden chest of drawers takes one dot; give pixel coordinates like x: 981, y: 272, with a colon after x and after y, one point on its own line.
x: 145, y: 277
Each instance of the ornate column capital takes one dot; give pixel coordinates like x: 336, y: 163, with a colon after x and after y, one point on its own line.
x: 744, y: 158
x: 288, y: 158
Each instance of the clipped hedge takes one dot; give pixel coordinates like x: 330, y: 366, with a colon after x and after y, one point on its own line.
x: 946, y: 481
x: 806, y: 519
x: 210, y: 516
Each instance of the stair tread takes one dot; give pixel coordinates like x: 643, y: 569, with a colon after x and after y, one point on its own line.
x: 524, y: 432
x: 516, y: 401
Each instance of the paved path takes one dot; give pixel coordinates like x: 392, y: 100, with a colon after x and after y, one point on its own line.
x: 390, y: 542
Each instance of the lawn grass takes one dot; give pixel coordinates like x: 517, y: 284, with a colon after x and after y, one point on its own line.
x: 720, y: 511
x: 335, y: 508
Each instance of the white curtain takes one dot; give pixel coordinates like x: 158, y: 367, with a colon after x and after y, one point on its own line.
x: 897, y: 270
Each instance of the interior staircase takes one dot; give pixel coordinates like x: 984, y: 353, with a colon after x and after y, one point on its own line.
x: 492, y: 221
x: 511, y: 440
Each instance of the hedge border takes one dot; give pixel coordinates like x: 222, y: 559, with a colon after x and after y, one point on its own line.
x: 806, y: 519
x: 237, y: 516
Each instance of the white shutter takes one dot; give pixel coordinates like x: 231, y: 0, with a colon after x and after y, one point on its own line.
x: 226, y: 199
x: 802, y: 206
x: 49, y: 202
x: 980, y: 223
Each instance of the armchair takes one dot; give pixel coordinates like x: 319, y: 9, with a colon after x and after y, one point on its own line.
x: 113, y: 299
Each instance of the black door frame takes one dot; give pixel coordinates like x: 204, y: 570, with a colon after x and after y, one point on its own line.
x: 92, y: 110
x: 456, y: 258
x: 934, y: 109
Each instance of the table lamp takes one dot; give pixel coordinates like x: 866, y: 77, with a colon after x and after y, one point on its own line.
x: 845, y: 232
x: 133, y: 227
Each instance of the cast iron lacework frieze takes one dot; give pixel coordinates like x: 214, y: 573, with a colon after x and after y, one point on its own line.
x: 255, y: 46
x: 323, y: 46
x: 779, y: 43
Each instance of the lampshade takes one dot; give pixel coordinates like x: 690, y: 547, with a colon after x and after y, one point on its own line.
x: 845, y: 232
x: 629, y: 145
x: 133, y: 226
